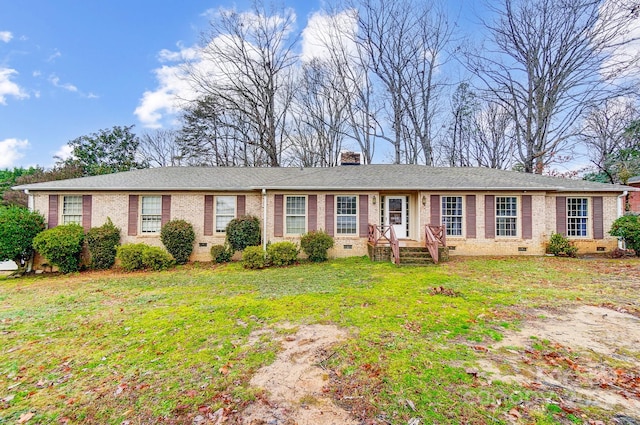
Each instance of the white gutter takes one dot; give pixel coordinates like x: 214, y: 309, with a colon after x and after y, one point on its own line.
x: 264, y: 219
x: 621, y: 208
x: 621, y: 203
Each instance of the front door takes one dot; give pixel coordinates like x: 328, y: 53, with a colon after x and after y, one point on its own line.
x: 396, y: 216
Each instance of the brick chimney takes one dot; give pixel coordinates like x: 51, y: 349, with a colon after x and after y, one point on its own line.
x: 349, y: 158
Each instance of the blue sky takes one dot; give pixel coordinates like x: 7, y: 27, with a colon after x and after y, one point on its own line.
x: 70, y: 68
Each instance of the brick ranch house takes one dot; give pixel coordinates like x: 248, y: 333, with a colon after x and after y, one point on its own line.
x: 482, y: 211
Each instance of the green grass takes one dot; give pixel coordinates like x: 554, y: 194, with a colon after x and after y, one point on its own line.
x: 109, y: 347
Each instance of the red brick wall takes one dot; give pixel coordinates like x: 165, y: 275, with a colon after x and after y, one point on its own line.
x: 634, y: 199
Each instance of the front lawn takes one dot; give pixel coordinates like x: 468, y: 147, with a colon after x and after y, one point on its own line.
x: 167, y: 347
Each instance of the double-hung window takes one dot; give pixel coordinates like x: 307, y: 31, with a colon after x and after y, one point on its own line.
x: 452, y: 215
x: 296, y: 215
x: 225, y: 212
x: 151, y: 214
x: 346, y: 215
x: 506, y: 216
x: 577, y: 215
x: 72, y: 209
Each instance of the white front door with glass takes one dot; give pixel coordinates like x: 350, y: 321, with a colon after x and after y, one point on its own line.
x: 396, y: 215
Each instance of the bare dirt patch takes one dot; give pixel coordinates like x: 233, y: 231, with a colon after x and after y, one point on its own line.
x: 294, y: 382
x: 589, y: 356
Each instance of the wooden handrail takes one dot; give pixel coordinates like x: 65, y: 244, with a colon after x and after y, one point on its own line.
x: 379, y: 233
x: 434, y: 236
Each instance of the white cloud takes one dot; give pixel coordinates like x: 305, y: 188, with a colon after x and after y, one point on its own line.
x: 64, y: 152
x: 53, y: 79
x: 173, y: 85
x: 56, y: 54
x: 326, y: 34
x: 8, y: 87
x: 11, y: 150
x: 5, y: 36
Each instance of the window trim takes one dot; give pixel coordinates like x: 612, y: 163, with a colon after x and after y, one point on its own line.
x: 215, y: 212
x: 63, y: 214
x: 141, y: 215
x: 286, y: 215
x: 355, y: 216
x: 461, y: 216
x: 516, y: 217
x: 586, y: 217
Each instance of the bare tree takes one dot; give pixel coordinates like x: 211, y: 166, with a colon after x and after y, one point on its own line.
x: 159, y: 148
x: 404, y: 41
x: 458, y: 146
x: 604, y: 134
x: 318, y: 116
x: 349, y: 65
x: 494, y: 140
x: 212, y: 135
x: 548, y: 61
x: 245, y: 64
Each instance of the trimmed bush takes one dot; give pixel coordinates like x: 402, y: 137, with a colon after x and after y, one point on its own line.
x: 18, y: 227
x: 253, y: 257
x: 561, y: 246
x: 102, y: 243
x: 156, y: 258
x: 243, y: 232
x: 315, y: 245
x: 221, y: 253
x: 61, y: 246
x: 627, y: 228
x: 282, y: 253
x: 178, y: 237
x: 140, y: 256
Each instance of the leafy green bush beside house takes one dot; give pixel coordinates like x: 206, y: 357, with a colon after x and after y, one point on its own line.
x: 61, y: 246
x: 627, y: 228
x: 282, y: 253
x: 243, y: 232
x: 178, y: 237
x: 140, y: 256
x: 102, y: 243
x: 18, y: 228
x: 316, y: 244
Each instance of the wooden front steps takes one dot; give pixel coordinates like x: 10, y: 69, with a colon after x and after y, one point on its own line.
x: 409, y: 255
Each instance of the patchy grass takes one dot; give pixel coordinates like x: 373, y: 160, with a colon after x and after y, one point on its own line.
x: 164, y: 347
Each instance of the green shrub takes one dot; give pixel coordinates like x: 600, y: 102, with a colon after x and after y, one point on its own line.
x: 315, y: 245
x: 130, y: 256
x: 18, y: 227
x: 156, y: 258
x: 178, y: 237
x: 253, y: 257
x: 61, y: 246
x: 627, y: 228
x: 139, y: 256
x: 561, y: 246
x: 282, y: 253
x: 243, y: 232
x: 221, y: 253
x: 102, y: 243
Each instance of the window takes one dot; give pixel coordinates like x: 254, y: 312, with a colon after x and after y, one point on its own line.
x: 577, y: 212
x: 296, y: 215
x: 452, y: 215
x: 225, y: 212
x: 151, y: 214
x: 72, y: 209
x: 346, y: 215
x: 506, y: 216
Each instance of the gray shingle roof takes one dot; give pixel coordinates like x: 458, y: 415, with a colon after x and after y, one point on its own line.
x: 361, y: 177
